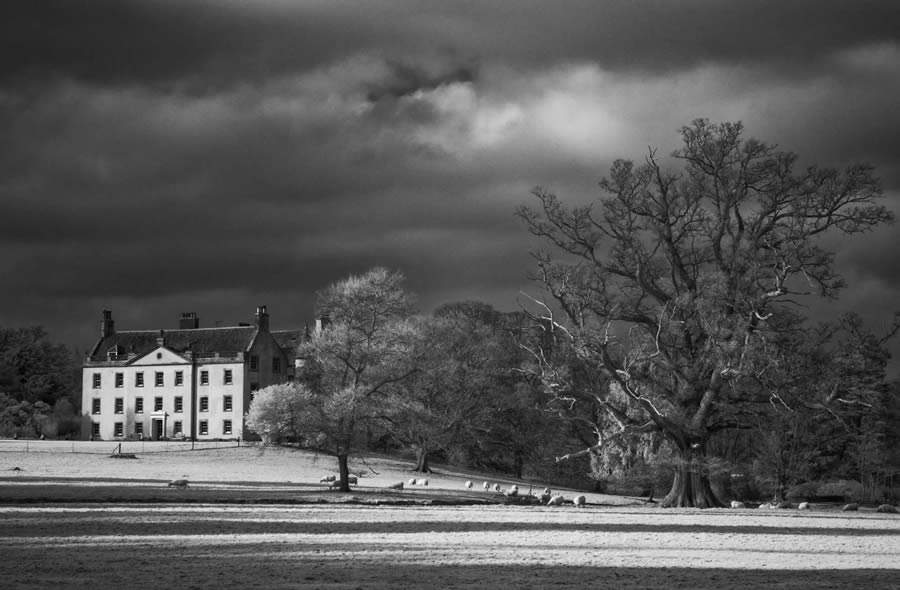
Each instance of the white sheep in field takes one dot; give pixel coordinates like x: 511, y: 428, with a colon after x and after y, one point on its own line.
x: 178, y: 483
x: 328, y: 479
x: 736, y: 504
x: 468, y: 485
x: 412, y: 481
x: 497, y: 487
x: 556, y: 501
x: 512, y: 492
x: 803, y: 506
x: 548, y: 492
x: 396, y: 486
x: 423, y: 482
x: 579, y: 501
x: 486, y: 486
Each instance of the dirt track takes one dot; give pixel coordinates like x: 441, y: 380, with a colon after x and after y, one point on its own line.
x: 489, y: 547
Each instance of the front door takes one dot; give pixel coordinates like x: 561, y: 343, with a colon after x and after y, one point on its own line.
x: 157, y: 429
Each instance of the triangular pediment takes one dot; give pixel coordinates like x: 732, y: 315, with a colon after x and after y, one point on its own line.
x: 160, y: 356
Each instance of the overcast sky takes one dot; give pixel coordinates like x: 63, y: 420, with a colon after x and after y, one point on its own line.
x: 161, y: 156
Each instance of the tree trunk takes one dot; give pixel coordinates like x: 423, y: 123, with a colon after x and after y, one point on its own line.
x: 344, y: 472
x: 422, y: 460
x: 691, y: 488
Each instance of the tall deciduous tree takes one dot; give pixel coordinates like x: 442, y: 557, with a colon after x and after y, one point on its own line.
x: 351, y: 364
x: 671, y: 285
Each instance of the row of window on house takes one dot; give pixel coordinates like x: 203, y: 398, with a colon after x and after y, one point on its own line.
x: 177, y: 428
x: 202, y: 402
x: 159, y: 378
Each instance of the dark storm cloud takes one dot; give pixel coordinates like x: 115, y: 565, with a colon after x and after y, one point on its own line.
x: 166, y: 156
x: 208, y: 44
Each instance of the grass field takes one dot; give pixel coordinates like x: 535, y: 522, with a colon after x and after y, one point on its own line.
x: 259, y: 518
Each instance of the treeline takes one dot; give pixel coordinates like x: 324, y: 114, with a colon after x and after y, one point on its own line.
x: 40, y: 386
x: 465, y: 386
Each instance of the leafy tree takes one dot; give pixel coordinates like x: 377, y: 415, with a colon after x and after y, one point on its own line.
x: 458, y: 358
x: 352, y: 363
x: 281, y: 412
x: 33, y: 369
x: 674, y: 285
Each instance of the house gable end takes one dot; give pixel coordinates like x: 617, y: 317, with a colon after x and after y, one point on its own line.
x: 159, y: 356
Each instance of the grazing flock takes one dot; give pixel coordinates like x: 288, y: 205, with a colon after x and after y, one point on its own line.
x: 511, y: 493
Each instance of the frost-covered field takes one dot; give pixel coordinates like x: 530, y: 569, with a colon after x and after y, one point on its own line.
x: 612, y: 543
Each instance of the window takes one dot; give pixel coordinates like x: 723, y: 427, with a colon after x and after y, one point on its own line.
x: 228, y: 380
x: 159, y: 379
x: 176, y: 427
x: 120, y: 405
x: 120, y: 379
x: 95, y: 429
x: 228, y: 403
x: 119, y: 429
x: 96, y: 380
x: 157, y: 404
x: 276, y: 365
x: 138, y: 405
x: 139, y: 379
x: 95, y: 406
x: 204, y: 377
x: 254, y: 362
x: 226, y: 427
x: 204, y: 404
x: 204, y: 427
x: 139, y: 428
x: 179, y: 377
x: 178, y: 404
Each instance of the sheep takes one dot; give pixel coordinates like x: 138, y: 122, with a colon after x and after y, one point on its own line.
x: 556, y: 501
x: 579, y: 501
x: 803, y: 506
x: 423, y: 482
x: 886, y: 509
x: 850, y: 508
x: 178, y: 483
x: 548, y: 492
x: 736, y: 504
x: 412, y: 481
x: 396, y: 486
x: 497, y: 487
x: 783, y: 504
x: 468, y: 485
x: 486, y: 486
x: 513, y: 492
x: 328, y: 479
x: 351, y: 480
x: 766, y: 506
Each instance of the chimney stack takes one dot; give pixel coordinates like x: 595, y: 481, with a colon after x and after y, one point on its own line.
x: 189, y: 321
x: 107, y: 326
x: 262, y: 319
x: 321, y: 324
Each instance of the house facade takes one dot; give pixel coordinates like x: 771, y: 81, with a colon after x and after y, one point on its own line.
x: 191, y: 382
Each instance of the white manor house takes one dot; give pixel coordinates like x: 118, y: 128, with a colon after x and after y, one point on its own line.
x: 190, y: 382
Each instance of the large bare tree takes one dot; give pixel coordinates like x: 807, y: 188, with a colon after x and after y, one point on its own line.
x: 671, y: 286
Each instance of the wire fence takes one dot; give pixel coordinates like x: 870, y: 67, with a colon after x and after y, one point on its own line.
x: 116, y: 447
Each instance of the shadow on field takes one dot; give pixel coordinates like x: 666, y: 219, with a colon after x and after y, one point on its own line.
x: 113, y: 569
x: 75, y: 524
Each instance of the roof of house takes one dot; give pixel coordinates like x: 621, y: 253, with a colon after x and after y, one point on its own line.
x: 289, y: 340
x: 199, y: 340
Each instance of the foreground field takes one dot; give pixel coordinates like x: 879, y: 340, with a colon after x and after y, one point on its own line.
x: 83, y: 520
x: 447, y: 547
